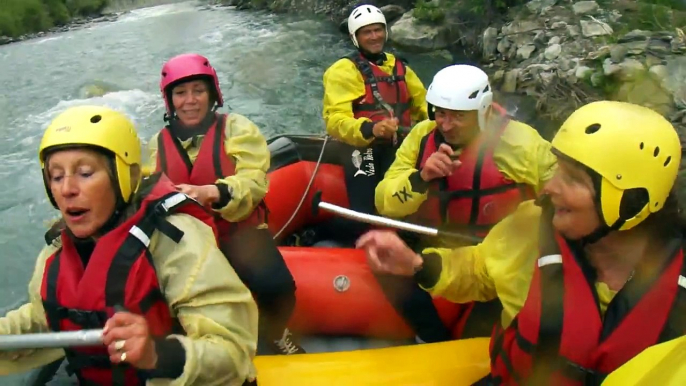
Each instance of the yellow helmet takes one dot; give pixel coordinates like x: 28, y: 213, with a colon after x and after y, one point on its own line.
x: 100, y: 127
x: 630, y: 147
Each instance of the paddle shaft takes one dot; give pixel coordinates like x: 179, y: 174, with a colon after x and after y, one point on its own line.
x: 387, y: 222
x: 51, y: 340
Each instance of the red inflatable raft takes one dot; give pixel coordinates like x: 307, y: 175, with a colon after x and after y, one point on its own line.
x: 337, y: 293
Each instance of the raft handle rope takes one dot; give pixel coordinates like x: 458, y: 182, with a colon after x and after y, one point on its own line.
x: 307, y: 190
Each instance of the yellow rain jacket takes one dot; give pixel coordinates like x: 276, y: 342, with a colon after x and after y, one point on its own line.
x: 521, y: 154
x: 343, y: 84
x: 247, y: 147
x: 663, y: 364
x: 203, y: 291
x: 501, y: 266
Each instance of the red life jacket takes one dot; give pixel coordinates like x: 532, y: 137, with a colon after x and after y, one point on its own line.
x: 559, y: 336
x: 477, y: 195
x: 383, y: 93
x: 119, y: 273
x: 211, y: 164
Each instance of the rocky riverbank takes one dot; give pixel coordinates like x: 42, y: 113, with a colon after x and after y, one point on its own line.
x: 72, y: 25
x: 562, y: 53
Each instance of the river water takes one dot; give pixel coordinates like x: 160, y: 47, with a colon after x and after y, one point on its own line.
x: 270, y: 69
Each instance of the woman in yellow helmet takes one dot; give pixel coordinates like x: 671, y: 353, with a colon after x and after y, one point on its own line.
x: 591, y: 274
x: 135, y: 257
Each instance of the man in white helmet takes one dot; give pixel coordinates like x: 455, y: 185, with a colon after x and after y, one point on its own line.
x: 464, y: 169
x: 368, y: 96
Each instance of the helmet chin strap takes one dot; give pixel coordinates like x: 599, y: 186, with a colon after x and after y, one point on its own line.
x: 119, y: 206
x: 183, y: 132
x: 595, y: 236
x: 599, y: 233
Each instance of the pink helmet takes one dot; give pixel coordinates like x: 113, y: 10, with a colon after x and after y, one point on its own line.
x: 187, y: 66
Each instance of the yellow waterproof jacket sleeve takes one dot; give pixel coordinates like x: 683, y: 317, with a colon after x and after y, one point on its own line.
x: 214, y: 307
x: 524, y: 156
x: 663, y: 364
x: 343, y: 84
x: 500, y: 267
x: 248, y: 149
x: 419, y: 110
x: 395, y: 196
x: 521, y: 154
x: 28, y: 319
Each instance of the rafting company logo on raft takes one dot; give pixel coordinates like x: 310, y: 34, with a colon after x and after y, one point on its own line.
x: 341, y: 283
x: 367, y: 158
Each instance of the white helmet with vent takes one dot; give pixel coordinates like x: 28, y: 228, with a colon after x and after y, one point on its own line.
x: 460, y: 87
x: 363, y: 16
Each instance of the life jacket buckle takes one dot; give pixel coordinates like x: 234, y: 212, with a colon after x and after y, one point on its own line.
x: 578, y: 372
x: 170, y: 203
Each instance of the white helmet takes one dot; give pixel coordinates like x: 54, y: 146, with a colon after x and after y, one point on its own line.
x: 460, y: 87
x: 362, y: 16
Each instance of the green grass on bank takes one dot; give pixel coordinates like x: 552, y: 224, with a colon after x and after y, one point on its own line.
x: 18, y: 17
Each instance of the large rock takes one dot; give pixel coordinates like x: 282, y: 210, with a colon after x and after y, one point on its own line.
x: 618, y: 52
x: 646, y: 91
x: 537, y: 6
x: 525, y: 51
x: 490, y: 42
x: 585, y: 7
x: 392, y: 12
x: 418, y: 37
x: 676, y: 79
x: 510, y: 81
x: 591, y: 28
x: 634, y: 35
x: 553, y: 51
x: 631, y: 70
x: 522, y: 32
x: 583, y: 72
x: 504, y: 46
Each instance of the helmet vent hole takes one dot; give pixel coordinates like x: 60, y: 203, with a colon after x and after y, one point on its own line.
x: 486, y: 89
x: 642, y: 146
x: 593, y: 128
x: 474, y: 94
x: 656, y: 152
x: 126, y: 154
x: 96, y: 118
x: 164, y: 73
x: 668, y: 160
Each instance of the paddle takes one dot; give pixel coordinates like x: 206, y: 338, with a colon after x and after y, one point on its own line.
x: 387, y: 222
x: 51, y: 340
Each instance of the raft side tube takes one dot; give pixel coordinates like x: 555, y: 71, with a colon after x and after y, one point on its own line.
x: 293, y: 162
x: 337, y: 294
x: 455, y: 363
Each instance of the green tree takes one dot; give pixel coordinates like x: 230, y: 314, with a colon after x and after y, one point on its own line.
x: 18, y: 17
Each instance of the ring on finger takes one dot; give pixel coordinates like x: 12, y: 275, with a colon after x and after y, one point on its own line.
x: 119, y: 345
x: 122, y: 358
